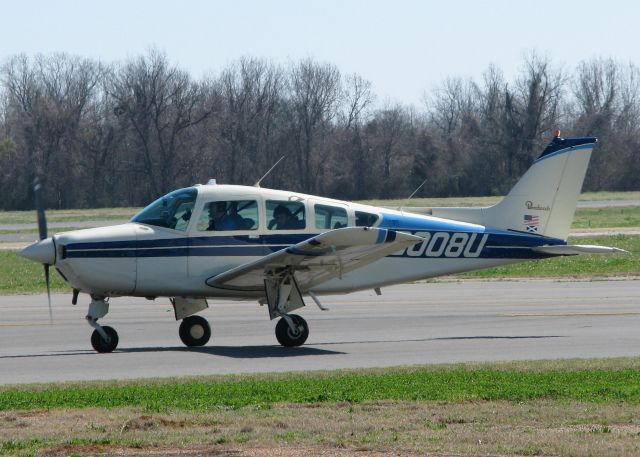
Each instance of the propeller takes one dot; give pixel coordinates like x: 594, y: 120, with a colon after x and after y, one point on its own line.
x: 42, y: 229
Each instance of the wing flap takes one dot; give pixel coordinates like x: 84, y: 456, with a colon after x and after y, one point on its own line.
x: 318, y: 259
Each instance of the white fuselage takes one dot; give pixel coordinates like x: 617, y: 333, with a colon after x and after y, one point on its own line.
x: 145, y: 260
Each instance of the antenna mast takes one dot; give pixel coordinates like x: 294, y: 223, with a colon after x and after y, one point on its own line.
x: 269, y: 171
x: 414, y: 192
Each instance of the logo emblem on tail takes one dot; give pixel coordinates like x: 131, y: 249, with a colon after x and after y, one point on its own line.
x: 531, y: 223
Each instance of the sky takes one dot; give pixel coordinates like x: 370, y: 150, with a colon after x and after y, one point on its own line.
x: 404, y: 47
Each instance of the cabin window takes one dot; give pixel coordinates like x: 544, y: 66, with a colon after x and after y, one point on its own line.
x: 285, y: 215
x: 330, y: 217
x: 226, y: 215
x: 171, y: 211
x: 365, y: 219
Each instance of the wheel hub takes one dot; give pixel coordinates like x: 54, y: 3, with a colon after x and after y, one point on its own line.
x: 196, y: 331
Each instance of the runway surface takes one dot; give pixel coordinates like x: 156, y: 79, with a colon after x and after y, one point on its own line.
x: 422, y: 323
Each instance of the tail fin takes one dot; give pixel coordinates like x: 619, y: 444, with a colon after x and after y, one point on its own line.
x: 544, y: 200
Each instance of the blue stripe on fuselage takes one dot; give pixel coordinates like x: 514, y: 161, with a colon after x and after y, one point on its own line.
x: 404, y: 222
x: 499, y: 244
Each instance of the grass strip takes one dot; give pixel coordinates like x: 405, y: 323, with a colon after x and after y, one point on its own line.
x: 34, y: 231
x: 450, y: 383
x: 580, y: 266
x: 584, y: 218
x: 20, y: 276
x: 607, y: 217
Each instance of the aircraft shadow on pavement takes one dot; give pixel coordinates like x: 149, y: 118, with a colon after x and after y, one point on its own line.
x: 239, y: 352
x: 490, y: 337
x: 418, y: 340
x: 258, y: 352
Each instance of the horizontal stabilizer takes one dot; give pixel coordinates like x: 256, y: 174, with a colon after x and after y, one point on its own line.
x: 575, y: 249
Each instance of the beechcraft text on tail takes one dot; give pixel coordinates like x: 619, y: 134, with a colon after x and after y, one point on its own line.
x: 205, y: 242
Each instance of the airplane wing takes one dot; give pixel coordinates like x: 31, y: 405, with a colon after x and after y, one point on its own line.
x: 318, y: 259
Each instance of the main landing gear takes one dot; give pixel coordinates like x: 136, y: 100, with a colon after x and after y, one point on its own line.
x: 194, y: 330
x: 292, y: 330
x: 282, y: 297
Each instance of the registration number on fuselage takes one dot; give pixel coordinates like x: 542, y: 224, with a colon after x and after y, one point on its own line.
x: 447, y: 244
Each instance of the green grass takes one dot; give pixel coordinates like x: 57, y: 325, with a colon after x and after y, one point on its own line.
x: 487, y: 201
x: 74, y: 215
x: 68, y: 215
x: 34, y: 231
x: 584, y: 218
x: 575, y: 266
x: 604, y: 195
x: 20, y: 276
x: 607, y: 217
x: 452, y: 383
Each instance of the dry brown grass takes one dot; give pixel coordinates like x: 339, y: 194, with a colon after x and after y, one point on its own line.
x: 374, y: 428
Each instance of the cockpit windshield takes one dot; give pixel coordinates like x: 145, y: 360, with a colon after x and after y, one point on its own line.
x: 171, y: 211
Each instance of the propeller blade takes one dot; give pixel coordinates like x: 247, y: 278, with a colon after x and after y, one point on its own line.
x: 42, y: 219
x: 47, y: 279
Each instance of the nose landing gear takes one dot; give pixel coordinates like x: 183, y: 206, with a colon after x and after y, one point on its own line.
x: 103, y: 339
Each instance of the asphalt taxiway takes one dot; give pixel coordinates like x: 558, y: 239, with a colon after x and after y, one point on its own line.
x: 424, y: 323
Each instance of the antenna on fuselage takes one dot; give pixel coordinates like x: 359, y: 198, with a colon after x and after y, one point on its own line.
x: 410, y: 196
x: 269, y: 171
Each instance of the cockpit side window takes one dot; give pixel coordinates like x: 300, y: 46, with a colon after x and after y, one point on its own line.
x: 330, y: 217
x: 229, y: 215
x: 285, y: 215
x: 365, y: 219
x: 171, y: 211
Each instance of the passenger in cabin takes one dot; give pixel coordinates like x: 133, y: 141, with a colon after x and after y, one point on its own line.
x: 284, y: 220
x: 223, y: 218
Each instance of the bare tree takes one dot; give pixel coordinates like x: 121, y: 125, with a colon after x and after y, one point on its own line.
x: 46, y: 100
x: 251, y: 91
x: 159, y: 103
x: 315, y: 92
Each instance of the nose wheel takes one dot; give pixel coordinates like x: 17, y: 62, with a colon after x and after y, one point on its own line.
x: 103, y: 338
x: 102, y: 344
x: 292, y: 330
x: 194, y: 331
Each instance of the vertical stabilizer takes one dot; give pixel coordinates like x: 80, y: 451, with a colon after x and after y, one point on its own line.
x: 544, y: 200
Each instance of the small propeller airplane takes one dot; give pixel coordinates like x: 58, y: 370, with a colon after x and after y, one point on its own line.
x: 242, y: 242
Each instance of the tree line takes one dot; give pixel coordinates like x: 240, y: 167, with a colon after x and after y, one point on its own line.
x: 123, y: 134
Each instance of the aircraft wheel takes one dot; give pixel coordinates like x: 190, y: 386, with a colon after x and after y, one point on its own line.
x: 289, y: 338
x: 100, y: 345
x: 194, y: 331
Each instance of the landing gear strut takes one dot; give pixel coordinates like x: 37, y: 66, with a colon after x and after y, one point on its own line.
x: 283, y: 296
x: 103, y: 339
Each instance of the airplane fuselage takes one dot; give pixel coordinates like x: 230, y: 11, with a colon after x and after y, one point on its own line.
x: 147, y: 259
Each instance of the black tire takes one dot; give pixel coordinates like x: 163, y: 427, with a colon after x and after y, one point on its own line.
x: 194, y: 331
x: 100, y: 345
x: 289, y: 339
